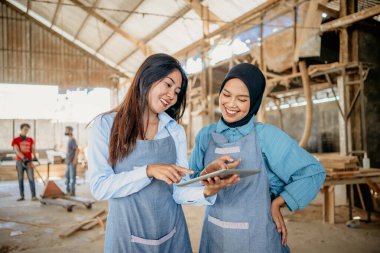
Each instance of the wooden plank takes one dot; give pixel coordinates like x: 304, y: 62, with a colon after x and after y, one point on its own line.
x: 93, y: 223
x: 71, y: 230
x: 350, y: 19
x: 68, y: 205
x: 337, y: 165
x: 85, y: 201
x: 351, y: 180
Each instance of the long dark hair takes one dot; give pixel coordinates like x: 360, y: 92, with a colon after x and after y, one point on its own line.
x: 128, y: 122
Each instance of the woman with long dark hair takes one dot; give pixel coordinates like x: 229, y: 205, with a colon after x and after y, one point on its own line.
x: 137, y: 151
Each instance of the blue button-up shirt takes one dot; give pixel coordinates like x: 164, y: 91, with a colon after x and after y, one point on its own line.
x: 293, y: 173
x: 105, y: 184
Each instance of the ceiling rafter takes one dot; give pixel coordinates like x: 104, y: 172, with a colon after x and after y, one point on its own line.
x: 121, y: 23
x: 229, y: 26
x: 28, y: 6
x: 197, y: 7
x: 153, y: 34
x: 57, y: 10
x: 84, y: 21
x: 112, y: 26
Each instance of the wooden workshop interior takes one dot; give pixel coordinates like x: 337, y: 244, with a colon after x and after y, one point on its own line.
x: 320, y: 59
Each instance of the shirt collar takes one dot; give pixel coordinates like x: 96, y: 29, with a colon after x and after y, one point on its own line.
x: 164, y: 121
x: 244, y: 130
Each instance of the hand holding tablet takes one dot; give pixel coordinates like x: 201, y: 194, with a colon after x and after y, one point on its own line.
x: 222, y: 174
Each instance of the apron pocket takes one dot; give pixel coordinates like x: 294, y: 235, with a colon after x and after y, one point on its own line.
x: 225, y: 236
x: 143, y: 241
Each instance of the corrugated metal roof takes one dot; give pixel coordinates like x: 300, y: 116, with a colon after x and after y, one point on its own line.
x: 140, y: 22
x: 141, y: 26
x: 117, y: 48
x: 229, y: 10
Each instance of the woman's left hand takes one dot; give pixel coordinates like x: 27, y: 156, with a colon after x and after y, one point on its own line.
x: 278, y: 219
x: 215, y: 184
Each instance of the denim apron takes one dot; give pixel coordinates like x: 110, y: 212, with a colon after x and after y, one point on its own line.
x: 241, y: 219
x: 148, y: 220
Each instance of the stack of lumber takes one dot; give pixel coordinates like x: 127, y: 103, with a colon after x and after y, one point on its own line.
x: 339, y: 165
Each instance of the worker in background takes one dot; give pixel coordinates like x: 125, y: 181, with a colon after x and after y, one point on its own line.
x: 25, y: 152
x: 71, y: 161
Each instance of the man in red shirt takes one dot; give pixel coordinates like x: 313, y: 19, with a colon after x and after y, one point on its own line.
x: 24, y: 148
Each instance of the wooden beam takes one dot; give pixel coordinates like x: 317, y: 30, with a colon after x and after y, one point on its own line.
x: 57, y: 9
x: 84, y: 21
x: 331, y: 12
x: 121, y: 23
x: 168, y: 23
x: 28, y: 6
x: 197, y: 7
x: 252, y: 14
x: 297, y: 91
x: 165, y: 25
x: 350, y: 19
x: 112, y: 26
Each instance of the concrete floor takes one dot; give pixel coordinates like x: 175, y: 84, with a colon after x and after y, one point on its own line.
x: 306, y: 231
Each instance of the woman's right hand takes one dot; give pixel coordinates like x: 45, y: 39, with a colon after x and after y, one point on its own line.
x: 168, y: 173
x: 215, y: 184
x: 223, y: 162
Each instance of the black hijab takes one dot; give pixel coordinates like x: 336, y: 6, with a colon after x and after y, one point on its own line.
x: 254, y: 79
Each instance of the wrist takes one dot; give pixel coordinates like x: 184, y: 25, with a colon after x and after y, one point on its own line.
x: 278, y: 202
x: 207, y: 192
x: 149, y: 170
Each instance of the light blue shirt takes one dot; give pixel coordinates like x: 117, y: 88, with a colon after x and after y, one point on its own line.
x: 293, y: 173
x: 105, y: 184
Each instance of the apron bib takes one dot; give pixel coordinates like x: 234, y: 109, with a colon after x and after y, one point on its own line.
x: 241, y: 218
x: 149, y: 220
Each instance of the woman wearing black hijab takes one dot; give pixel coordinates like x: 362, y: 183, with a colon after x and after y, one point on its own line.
x: 246, y: 216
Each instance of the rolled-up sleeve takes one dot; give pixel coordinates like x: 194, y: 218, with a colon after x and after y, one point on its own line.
x: 193, y: 194
x: 104, y: 183
x: 302, y: 175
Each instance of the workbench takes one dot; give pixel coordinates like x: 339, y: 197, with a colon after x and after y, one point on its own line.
x: 363, y: 176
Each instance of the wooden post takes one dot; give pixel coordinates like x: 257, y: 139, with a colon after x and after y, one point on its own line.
x: 345, y: 20
x: 328, y: 210
x: 262, y: 62
x: 294, y: 66
x: 207, y: 71
x: 341, y: 80
x: 309, y: 104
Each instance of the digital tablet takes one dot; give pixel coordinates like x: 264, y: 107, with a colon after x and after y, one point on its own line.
x: 220, y: 173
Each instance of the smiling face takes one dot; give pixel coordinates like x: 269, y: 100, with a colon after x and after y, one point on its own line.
x: 164, y: 93
x: 234, y: 100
